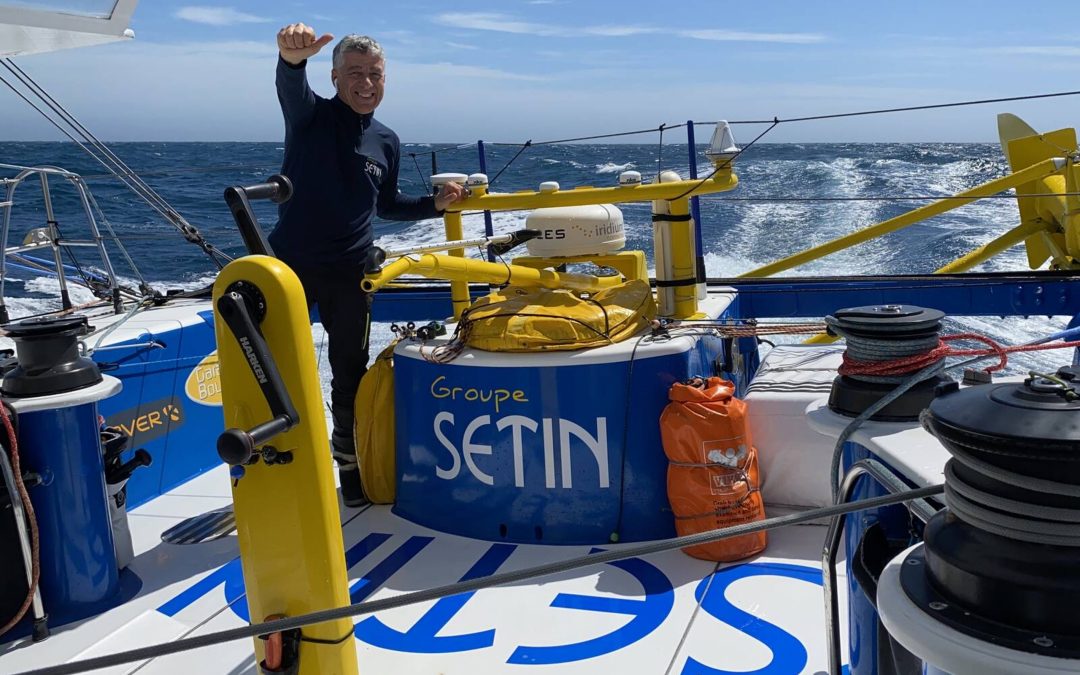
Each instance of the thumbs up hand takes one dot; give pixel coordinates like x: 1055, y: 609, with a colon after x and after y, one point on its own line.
x: 296, y: 42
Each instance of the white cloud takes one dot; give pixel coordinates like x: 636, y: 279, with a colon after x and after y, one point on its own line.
x: 503, y: 23
x: 461, y: 45
x: 233, y: 48
x: 499, y: 104
x: 453, y: 70
x: 217, y: 16
x: 741, y: 36
x: 499, y: 23
x: 1070, y: 52
x: 617, y: 31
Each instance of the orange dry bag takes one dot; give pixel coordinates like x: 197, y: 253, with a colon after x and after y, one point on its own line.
x: 713, y: 479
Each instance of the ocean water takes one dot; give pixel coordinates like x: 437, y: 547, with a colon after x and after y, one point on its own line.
x: 791, y: 196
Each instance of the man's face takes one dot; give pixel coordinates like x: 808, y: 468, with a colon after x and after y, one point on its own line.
x: 360, y: 81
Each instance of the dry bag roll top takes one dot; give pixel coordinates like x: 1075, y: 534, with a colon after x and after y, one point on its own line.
x: 713, y: 475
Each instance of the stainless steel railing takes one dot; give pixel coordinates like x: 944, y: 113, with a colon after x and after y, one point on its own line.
x: 887, y: 478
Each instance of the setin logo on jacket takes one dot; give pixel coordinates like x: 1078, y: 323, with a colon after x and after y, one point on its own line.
x: 373, y: 169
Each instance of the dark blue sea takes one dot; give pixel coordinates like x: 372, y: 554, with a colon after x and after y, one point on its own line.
x: 790, y: 196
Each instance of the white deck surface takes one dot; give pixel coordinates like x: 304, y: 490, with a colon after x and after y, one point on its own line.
x: 592, y: 620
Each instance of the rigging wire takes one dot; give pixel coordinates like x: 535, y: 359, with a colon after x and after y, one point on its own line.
x: 727, y: 162
x: 75, y: 261
x: 886, y: 199
x: 778, y: 120
x: 660, y: 153
x: 116, y: 162
x: 143, y: 286
x: 506, y: 166
x: 599, y: 136
x: 423, y: 179
x: 104, y: 156
x: 168, y: 172
x: 882, y: 111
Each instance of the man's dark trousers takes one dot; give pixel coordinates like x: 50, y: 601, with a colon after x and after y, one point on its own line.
x: 345, y: 313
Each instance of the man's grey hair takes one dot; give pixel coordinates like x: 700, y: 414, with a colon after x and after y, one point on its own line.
x: 356, y: 43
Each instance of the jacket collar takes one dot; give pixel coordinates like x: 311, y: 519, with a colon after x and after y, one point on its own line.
x: 364, y: 121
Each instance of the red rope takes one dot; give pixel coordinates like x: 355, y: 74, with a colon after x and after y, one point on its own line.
x: 911, y: 364
x: 25, y: 497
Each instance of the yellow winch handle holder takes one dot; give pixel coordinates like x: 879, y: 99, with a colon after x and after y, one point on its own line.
x: 287, y: 517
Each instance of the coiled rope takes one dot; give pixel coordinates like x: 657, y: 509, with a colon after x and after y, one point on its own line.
x: 1012, y: 517
x: 909, y: 370
x: 861, y: 358
x: 31, y: 517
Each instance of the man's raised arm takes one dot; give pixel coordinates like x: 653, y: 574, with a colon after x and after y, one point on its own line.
x: 296, y: 43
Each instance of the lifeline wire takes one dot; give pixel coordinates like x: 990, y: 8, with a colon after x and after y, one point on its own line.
x: 935, y: 198
x: 777, y: 120
x: 168, y: 172
x: 599, y: 136
x: 660, y: 152
x: 506, y: 166
x: 423, y: 179
x: 906, y: 109
x: 370, y: 607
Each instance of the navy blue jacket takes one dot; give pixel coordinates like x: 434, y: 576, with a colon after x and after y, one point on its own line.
x: 344, y: 168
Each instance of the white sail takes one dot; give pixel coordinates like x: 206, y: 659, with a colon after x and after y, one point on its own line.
x: 36, y: 26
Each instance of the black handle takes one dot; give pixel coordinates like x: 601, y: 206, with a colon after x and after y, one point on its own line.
x: 516, y: 239
x: 235, y: 446
x: 375, y: 258
x: 124, y: 471
x: 277, y: 189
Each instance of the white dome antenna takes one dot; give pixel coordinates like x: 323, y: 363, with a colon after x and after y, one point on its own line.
x: 565, y: 231
x: 722, y: 149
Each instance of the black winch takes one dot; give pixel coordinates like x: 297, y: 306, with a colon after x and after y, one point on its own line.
x: 1001, y: 563
x: 884, y: 333
x: 48, y: 357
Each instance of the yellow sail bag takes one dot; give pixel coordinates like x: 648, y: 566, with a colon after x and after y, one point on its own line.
x: 374, y: 428
x: 516, y: 319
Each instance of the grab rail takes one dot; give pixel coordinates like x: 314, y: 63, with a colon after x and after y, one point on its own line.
x: 892, y: 483
x: 51, y: 236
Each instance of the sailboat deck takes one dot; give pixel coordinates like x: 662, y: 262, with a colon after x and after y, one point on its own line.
x: 665, y: 613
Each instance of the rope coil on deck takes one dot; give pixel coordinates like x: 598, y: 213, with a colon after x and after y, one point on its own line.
x: 909, y: 371
x: 860, y: 361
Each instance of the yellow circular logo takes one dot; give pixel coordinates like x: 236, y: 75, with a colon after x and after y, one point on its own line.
x: 204, y: 382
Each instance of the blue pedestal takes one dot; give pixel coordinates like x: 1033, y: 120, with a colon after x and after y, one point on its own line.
x: 557, y: 448
x: 59, y: 439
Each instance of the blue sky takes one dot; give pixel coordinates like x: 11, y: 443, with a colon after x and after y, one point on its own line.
x: 519, y: 69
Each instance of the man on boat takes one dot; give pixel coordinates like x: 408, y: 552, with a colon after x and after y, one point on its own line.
x: 343, y: 164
